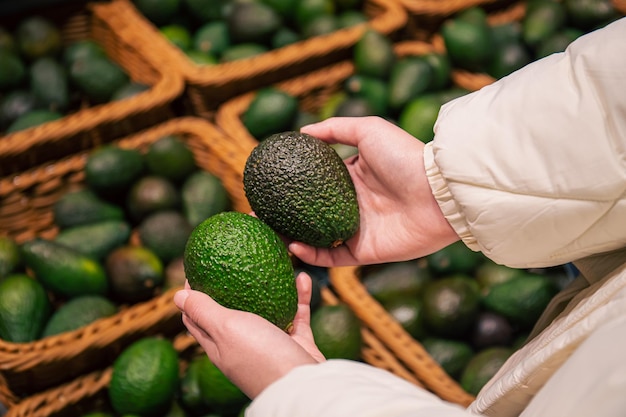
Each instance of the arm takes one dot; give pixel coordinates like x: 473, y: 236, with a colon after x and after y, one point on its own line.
x: 531, y: 169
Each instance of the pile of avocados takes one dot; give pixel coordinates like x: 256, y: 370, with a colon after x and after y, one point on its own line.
x: 209, y: 32
x: 43, y: 79
x: 120, y: 237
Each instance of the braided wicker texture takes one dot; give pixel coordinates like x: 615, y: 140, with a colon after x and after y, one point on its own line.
x: 87, y: 392
x: 209, y: 86
x: 26, y: 212
x: 94, y: 125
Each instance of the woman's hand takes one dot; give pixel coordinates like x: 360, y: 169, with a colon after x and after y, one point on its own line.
x: 399, y: 217
x: 249, y: 350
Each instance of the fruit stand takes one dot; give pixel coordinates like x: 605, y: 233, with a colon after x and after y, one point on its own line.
x: 80, y: 77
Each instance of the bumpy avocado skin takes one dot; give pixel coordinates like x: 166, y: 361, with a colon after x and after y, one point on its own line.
x: 242, y: 264
x: 300, y: 186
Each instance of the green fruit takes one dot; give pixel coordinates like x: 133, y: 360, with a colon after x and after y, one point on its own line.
x: 178, y: 35
x: 451, y: 305
x: 12, y: 70
x: 243, y: 264
x: 217, y: 391
x: 542, y: 21
x: 307, y: 10
x: 374, y: 55
x: 38, y: 37
x: 97, y: 77
x: 78, y: 312
x: 203, y: 195
x: 482, y: 367
x: 491, y: 329
x: 452, y: 355
x: 441, y: 70
x: 10, y: 256
x: 135, y: 273
x: 252, y: 22
x: 49, y: 83
x: 24, y: 309
x: 455, y: 258
x: 33, y: 118
x: 189, y: 393
x: 15, y: 104
x: 558, y: 42
x: 587, y: 14
x: 144, y: 378
x: 508, y: 58
x: 392, y: 280
x: 64, y: 271
x: 409, y: 77
x: 408, y: 312
x: 150, y: 194
x: 82, y: 49
x: 374, y: 90
x: 82, y: 207
x: 243, y: 51
x: 419, y: 115
x: 337, y: 332
x: 300, y: 187
x: 165, y: 233
x: 212, y: 38
x: 355, y: 107
x: 521, y: 299
x: 469, y: 43
x: 170, y: 157
x: 96, y: 239
x: 111, y: 169
x: 270, y: 111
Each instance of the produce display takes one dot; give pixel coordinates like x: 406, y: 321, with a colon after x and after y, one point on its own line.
x: 42, y: 79
x: 138, y: 222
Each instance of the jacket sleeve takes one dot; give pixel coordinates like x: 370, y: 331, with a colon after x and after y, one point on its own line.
x: 531, y: 170
x: 340, y: 388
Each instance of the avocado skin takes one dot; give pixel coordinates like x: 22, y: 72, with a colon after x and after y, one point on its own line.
x: 242, y: 264
x: 300, y: 186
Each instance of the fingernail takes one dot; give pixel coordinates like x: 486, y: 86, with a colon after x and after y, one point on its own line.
x: 180, y: 297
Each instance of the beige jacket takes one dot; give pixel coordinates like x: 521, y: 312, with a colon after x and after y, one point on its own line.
x: 532, y: 172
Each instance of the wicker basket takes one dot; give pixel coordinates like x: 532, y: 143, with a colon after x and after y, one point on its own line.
x: 86, y: 392
x: 26, y: 212
x: 207, y: 87
x: 94, y: 125
x: 314, y: 88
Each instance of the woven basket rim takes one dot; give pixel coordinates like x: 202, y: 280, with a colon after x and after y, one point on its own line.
x: 440, y: 8
x: 394, y: 17
x: 166, y: 89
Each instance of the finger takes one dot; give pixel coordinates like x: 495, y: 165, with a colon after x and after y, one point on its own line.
x: 198, y: 307
x: 339, y: 256
x: 305, y: 288
x: 346, y: 130
x: 203, y: 338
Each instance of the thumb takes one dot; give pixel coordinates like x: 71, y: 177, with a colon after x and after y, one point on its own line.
x: 198, y: 307
x: 343, y: 130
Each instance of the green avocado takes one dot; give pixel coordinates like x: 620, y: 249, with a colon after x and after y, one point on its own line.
x: 300, y: 186
x: 242, y: 264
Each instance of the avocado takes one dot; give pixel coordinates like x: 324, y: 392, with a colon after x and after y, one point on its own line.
x: 408, y: 312
x: 243, y: 51
x: 10, y: 256
x: 299, y: 186
x: 541, y: 21
x: 165, y: 232
x: 111, y: 169
x: 271, y: 110
x: 355, y: 107
x: 82, y: 49
x: 95, y: 239
x: 15, y: 104
x: 49, y: 83
x: 452, y: 355
x: 217, y: 391
x: 171, y: 158
x: 203, y: 195
x: 144, y: 378
x: 189, y: 394
x: 83, y: 206
x: 373, y: 54
x: 374, y: 90
x: 491, y: 329
x: 391, y: 280
x: 158, y: 12
x: 33, y: 118
x: 24, y: 309
x: 468, y: 39
x: 135, y: 273
x: 64, y: 271
x: 242, y: 264
x: 78, y: 312
x: 337, y: 332
x: 482, y: 367
x: 97, y: 77
x: 410, y: 76
x: 149, y: 194
x: 37, y: 36
x: 252, y: 22
x: 12, y: 71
